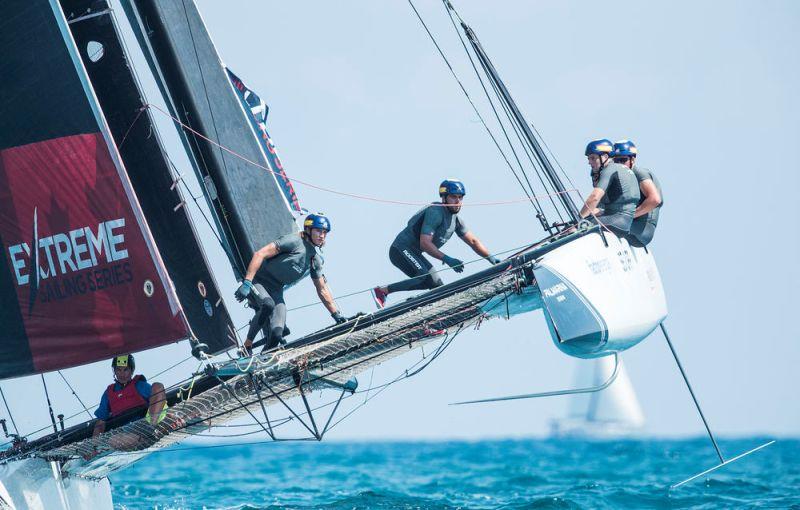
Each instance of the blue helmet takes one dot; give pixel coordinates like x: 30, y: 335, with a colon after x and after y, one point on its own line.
x: 452, y: 187
x: 602, y: 146
x: 317, y: 220
x: 624, y: 148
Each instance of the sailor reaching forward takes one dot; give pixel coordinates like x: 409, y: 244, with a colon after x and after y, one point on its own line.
x: 279, y: 265
x: 615, y: 192
x: 426, y: 232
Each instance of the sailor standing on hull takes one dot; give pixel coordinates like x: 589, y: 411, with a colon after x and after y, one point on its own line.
x: 616, y: 191
x: 645, y: 218
x: 278, y: 265
x: 426, y: 232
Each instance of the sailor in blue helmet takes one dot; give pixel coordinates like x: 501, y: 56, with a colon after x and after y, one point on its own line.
x: 426, y: 232
x: 615, y: 192
x: 275, y: 267
x: 645, y: 218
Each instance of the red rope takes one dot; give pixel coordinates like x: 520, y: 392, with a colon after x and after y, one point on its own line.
x: 344, y: 193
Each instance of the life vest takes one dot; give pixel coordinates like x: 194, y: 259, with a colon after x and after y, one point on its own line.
x: 126, y: 398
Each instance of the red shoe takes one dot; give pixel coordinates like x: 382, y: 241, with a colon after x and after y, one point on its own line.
x: 429, y: 332
x: 379, y: 296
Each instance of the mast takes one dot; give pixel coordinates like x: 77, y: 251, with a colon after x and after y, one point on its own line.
x: 505, y: 95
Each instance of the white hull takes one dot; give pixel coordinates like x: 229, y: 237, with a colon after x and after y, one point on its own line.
x: 598, y: 298
x: 33, y: 484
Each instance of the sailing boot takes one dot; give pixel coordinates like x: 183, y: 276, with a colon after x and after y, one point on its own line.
x: 379, y: 295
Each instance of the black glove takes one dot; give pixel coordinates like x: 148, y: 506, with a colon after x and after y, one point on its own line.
x: 244, y: 290
x: 338, y: 317
x: 454, y: 263
x: 493, y: 260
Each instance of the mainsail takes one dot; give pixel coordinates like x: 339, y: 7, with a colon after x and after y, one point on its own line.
x: 81, y: 279
x: 252, y: 208
x: 155, y: 180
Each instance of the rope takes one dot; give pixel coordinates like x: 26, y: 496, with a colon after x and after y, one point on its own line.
x: 8, y: 410
x: 334, y: 191
x: 76, y: 395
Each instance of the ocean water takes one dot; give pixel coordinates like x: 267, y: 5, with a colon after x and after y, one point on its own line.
x: 508, y: 474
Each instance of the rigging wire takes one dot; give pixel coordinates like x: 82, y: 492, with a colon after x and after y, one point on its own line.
x: 332, y: 191
x: 49, y: 405
x: 210, y: 111
x: 532, y: 200
x: 29, y: 434
x: 8, y: 410
x: 286, y: 419
x: 364, y: 291
x: 532, y: 141
x: 538, y: 205
x: 76, y: 395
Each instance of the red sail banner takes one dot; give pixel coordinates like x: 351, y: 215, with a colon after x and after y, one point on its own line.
x: 80, y: 278
x: 98, y: 291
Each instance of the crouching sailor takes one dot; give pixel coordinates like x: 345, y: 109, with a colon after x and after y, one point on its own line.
x: 645, y: 218
x: 616, y: 191
x: 280, y: 264
x: 426, y: 232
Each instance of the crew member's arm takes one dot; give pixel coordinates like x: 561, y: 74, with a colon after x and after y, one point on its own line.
x: 652, y: 198
x: 99, y: 428
x: 324, y: 293
x: 590, y: 206
x: 102, y: 413
x: 475, y: 243
x: 267, y: 252
x: 426, y: 244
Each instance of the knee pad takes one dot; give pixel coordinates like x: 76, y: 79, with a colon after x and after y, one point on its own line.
x: 434, y: 280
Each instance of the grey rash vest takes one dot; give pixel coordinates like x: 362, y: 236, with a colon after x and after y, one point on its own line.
x: 642, y: 174
x: 434, y: 220
x: 621, y: 190
x: 296, y: 258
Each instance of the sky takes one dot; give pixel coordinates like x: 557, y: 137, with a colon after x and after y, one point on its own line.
x: 360, y: 101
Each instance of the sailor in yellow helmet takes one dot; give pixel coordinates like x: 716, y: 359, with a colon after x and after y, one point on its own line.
x: 125, y: 400
x: 279, y: 265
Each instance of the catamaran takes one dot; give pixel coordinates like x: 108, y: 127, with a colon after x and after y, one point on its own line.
x: 101, y: 256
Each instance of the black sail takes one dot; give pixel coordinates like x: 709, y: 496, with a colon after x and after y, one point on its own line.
x: 150, y: 170
x: 244, y: 189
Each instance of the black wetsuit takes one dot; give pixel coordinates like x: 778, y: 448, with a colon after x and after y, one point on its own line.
x: 406, y: 253
x: 620, y: 199
x: 296, y: 259
x: 644, y: 227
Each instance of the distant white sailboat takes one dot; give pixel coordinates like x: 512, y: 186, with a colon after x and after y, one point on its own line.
x: 613, y: 412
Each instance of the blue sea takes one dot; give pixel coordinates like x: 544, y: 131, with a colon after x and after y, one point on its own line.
x: 508, y: 474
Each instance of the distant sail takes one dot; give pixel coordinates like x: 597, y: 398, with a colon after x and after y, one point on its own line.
x: 613, y: 412
x: 154, y: 179
x: 248, y: 200
x: 102, y: 288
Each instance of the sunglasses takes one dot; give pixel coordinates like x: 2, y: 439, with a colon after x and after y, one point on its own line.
x: 623, y: 159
